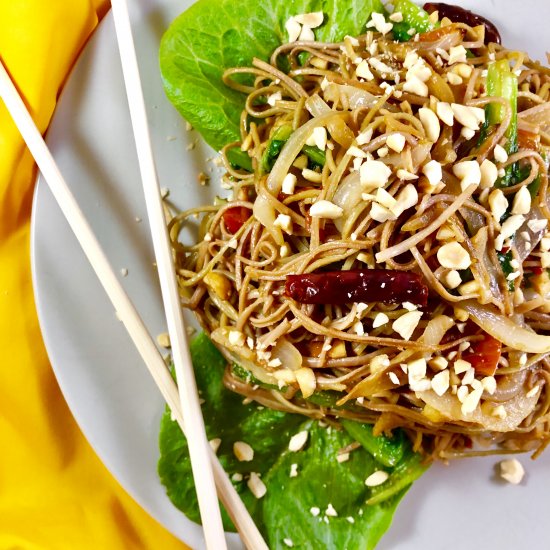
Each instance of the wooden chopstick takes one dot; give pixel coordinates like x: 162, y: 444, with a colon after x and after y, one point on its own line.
x: 189, y: 397
x: 120, y: 300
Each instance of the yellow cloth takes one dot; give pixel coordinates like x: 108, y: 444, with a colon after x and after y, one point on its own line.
x: 54, y: 491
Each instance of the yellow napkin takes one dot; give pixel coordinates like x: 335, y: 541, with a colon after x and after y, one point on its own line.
x: 54, y: 491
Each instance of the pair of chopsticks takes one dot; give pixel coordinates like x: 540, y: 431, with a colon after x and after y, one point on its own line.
x: 182, y: 399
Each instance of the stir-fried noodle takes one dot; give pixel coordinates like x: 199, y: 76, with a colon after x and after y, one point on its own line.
x: 346, y: 127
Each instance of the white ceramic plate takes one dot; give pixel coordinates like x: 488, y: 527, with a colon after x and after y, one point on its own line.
x: 103, y: 379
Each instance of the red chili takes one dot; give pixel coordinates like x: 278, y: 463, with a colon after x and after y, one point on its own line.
x: 461, y: 15
x: 484, y: 355
x: 362, y: 285
x: 235, y: 217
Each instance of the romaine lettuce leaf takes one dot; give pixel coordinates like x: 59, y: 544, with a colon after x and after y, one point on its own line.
x: 285, y: 510
x: 214, y: 35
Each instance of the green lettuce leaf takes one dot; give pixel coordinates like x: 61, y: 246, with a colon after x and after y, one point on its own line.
x: 364, y: 514
x: 214, y: 35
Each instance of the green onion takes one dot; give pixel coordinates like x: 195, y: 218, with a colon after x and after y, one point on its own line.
x: 279, y: 138
x: 239, y: 159
x: 501, y: 82
x: 317, y: 158
x: 505, y: 259
x: 414, y: 17
x: 387, y: 451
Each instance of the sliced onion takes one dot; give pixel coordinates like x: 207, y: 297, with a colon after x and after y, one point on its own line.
x: 419, y: 154
x: 356, y: 97
x: 524, y: 246
x: 287, y: 353
x: 317, y: 106
x: 291, y: 150
x: 265, y: 213
x: 505, y: 329
x: 435, y: 330
x: 517, y: 409
x: 509, y: 386
x: 479, y: 242
x: 347, y: 197
x: 340, y: 132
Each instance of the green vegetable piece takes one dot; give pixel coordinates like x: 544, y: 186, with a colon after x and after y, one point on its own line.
x: 510, y: 92
x: 285, y: 510
x: 495, y: 76
x: 317, y: 158
x: 279, y: 138
x: 505, y: 259
x: 484, y: 129
x: 387, y: 451
x: 495, y: 70
x: 414, y: 17
x: 271, y: 154
x: 534, y: 187
x: 212, y: 36
x: 282, y: 133
x: 403, y: 475
x: 324, y: 483
x: 249, y: 378
x: 325, y: 399
x: 501, y: 82
x: 240, y: 159
x: 303, y: 58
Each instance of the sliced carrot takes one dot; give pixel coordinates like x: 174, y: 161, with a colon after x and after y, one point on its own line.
x: 484, y: 355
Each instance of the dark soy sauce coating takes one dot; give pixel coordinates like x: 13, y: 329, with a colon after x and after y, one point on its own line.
x: 461, y: 15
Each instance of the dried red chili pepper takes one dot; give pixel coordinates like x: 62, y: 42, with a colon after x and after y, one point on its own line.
x: 362, y: 285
